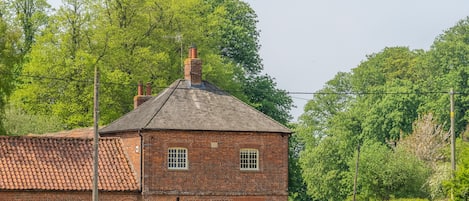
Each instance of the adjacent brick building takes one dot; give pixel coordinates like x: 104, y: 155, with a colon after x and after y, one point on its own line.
x: 192, y: 142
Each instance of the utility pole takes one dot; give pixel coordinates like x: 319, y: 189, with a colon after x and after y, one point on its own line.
x: 96, y: 134
x: 453, y: 138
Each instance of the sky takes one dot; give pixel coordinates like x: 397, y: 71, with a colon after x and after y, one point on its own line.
x: 305, y: 43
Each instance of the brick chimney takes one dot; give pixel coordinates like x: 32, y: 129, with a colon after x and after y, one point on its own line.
x: 140, y: 98
x: 193, y: 68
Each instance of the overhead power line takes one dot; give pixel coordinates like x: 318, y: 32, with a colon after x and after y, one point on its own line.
x: 91, y: 80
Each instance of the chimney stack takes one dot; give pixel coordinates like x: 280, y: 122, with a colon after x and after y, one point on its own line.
x: 193, y: 68
x: 140, y: 98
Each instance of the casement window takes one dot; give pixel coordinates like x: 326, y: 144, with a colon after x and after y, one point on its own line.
x: 249, y: 159
x: 177, y: 158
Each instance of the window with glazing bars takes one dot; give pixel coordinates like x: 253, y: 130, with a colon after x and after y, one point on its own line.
x: 177, y: 158
x: 249, y: 159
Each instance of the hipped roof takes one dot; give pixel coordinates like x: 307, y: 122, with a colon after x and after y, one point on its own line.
x: 203, y: 108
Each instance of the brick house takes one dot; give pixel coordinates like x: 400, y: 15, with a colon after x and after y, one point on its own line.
x: 192, y: 142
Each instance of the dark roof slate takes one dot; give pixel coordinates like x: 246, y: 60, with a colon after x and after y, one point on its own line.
x: 55, y: 163
x: 204, y: 108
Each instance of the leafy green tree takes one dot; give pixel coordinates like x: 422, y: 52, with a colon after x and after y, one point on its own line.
x: 9, y: 57
x: 31, y: 16
x: 386, y: 85
x: 448, y: 63
x: 377, y: 101
x: 324, y: 130
x: 428, y: 142
x: 384, y: 173
x: 239, y: 35
x: 58, y: 77
x: 20, y: 123
x: 153, y: 37
x: 335, y: 97
x: 459, y: 185
x: 264, y: 96
x: 239, y: 42
x: 297, y: 189
x: 325, y: 170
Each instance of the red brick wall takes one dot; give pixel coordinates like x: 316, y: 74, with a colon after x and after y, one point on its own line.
x: 216, y: 171
x: 214, y: 198
x: 66, y: 196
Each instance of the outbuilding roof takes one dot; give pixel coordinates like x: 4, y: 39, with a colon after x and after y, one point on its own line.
x: 55, y: 163
x: 204, y: 108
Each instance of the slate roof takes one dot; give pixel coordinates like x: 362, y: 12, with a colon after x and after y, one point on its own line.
x: 204, y: 108
x: 54, y: 163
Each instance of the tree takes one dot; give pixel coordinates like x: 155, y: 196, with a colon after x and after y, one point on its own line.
x: 153, y: 36
x: 324, y: 131
x: 429, y: 142
x: 325, y: 170
x: 20, y: 123
x: 448, y: 63
x: 384, y: 173
x: 376, y: 102
x: 459, y: 184
x: 386, y: 85
x: 9, y: 58
x: 32, y: 16
x: 263, y: 95
x: 57, y: 78
x: 239, y: 42
x: 297, y: 189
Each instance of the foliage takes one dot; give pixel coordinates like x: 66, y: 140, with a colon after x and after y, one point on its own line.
x: 428, y: 142
x: 325, y: 170
x: 153, y: 36
x: 265, y: 97
x: 296, y: 186
x: 381, y: 100
x: 31, y: 16
x: 459, y: 184
x: 20, y: 123
x: 9, y: 58
x: 385, y: 173
x: 448, y: 62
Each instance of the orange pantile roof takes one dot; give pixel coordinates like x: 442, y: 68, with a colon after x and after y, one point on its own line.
x: 57, y: 163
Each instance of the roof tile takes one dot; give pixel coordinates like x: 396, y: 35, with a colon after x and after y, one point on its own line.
x: 63, y: 163
x: 182, y: 107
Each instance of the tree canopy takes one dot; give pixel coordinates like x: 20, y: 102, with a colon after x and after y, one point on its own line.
x: 376, y: 107
x: 132, y: 41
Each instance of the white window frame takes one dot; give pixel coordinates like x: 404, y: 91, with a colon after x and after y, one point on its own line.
x: 178, y: 158
x: 248, y: 159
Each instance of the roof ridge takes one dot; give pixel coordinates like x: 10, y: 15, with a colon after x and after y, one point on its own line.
x: 178, y: 81
x: 251, y: 107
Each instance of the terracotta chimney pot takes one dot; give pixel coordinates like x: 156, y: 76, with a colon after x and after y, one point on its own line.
x: 193, y: 68
x: 140, y: 98
x: 140, y: 88
x: 148, y: 89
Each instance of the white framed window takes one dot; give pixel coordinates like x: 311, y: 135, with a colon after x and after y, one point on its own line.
x: 177, y: 158
x: 249, y: 159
